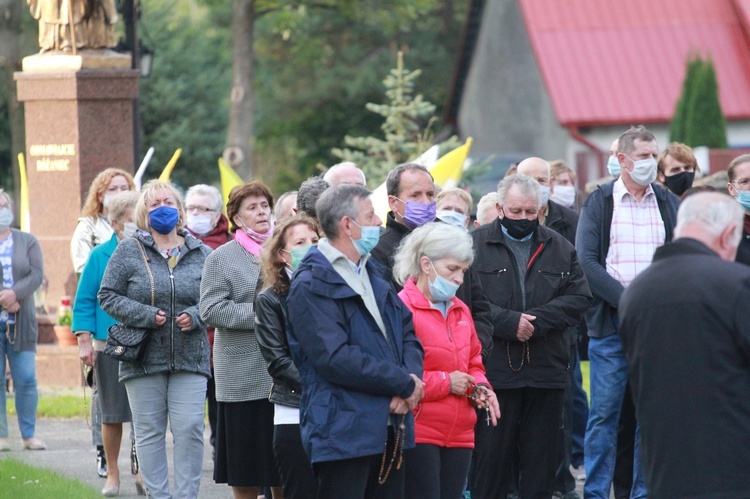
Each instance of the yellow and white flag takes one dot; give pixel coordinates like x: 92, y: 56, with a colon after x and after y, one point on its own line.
x: 167, y: 173
x: 229, y: 179
x: 24, y: 209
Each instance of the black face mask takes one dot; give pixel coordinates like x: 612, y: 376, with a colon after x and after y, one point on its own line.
x: 680, y: 182
x: 518, y: 229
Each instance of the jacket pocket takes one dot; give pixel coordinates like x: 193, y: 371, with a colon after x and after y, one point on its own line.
x: 498, y: 285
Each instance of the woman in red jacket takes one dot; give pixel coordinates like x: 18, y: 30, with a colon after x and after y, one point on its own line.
x: 431, y: 263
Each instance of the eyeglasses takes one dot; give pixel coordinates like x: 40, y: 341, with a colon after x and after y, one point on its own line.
x: 199, y: 209
x: 743, y: 184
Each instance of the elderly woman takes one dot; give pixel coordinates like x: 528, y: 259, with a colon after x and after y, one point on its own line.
x: 21, y: 259
x: 205, y: 220
x: 431, y: 263
x: 91, y: 324
x: 283, y: 253
x: 244, y: 451
x: 92, y: 230
x: 152, y: 281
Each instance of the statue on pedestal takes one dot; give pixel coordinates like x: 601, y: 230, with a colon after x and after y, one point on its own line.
x: 92, y: 26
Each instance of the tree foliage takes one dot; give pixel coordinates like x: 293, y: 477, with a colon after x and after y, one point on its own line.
x: 406, y: 128
x: 698, y: 118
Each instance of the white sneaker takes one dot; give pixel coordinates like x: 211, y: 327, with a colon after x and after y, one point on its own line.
x: 33, y: 443
x: 4, y: 445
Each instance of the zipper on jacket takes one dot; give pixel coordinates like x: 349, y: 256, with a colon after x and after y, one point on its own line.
x: 172, y: 320
x: 561, y: 274
x: 500, y: 272
x: 450, y: 336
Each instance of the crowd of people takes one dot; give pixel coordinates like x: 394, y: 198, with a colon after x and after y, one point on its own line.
x: 428, y: 356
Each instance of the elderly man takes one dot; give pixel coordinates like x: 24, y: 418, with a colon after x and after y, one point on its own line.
x: 345, y: 173
x: 411, y: 197
x: 684, y: 327
x: 308, y: 195
x: 286, y: 206
x: 676, y: 168
x: 537, y: 291
x: 564, y: 221
x: 621, y: 225
x: 486, y: 209
x: 360, y: 362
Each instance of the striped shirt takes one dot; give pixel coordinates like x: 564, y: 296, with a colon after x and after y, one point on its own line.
x: 637, y: 230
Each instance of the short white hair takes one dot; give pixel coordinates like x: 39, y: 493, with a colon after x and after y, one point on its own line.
x: 712, y: 211
x: 486, y: 203
x: 331, y: 172
x: 528, y: 185
x: 436, y: 240
x: 206, y: 190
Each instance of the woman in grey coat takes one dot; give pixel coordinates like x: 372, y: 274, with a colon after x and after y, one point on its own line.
x: 22, y: 273
x: 170, y: 382
x: 244, y: 430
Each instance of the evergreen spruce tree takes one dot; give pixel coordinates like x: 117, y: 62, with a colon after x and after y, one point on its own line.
x: 406, y: 129
x: 705, y: 124
x: 677, y: 125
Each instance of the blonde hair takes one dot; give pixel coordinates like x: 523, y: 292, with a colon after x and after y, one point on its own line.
x: 140, y: 217
x: 460, y: 194
x: 93, y: 207
x: 121, y: 204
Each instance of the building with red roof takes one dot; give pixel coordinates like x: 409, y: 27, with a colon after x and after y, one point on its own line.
x: 563, y: 79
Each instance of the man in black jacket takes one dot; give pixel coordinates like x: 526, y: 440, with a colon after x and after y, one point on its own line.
x: 684, y: 323
x: 564, y: 221
x: 411, y: 197
x: 537, y: 291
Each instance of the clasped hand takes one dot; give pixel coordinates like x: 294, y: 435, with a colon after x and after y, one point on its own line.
x: 184, y: 321
x: 400, y: 405
x: 525, y: 328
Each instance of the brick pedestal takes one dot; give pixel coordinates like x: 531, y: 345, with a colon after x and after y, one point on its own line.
x: 78, y: 122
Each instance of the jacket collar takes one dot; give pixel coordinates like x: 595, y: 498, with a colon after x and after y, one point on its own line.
x: 683, y: 246
x: 554, y: 213
x: 393, y: 224
x: 328, y: 282
x: 660, y: 192
x: 417, y: 299
x: 109, y: 247
x: 496, y: 235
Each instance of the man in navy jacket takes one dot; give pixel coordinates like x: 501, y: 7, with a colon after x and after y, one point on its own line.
x: 359, y: 360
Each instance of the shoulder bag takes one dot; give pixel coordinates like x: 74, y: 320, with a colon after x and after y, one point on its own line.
x: 127, y: 343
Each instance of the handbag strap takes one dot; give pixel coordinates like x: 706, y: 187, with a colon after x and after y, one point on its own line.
x: 148, y: 269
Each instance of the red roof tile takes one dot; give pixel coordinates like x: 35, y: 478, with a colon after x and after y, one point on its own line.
x: 616, y: 62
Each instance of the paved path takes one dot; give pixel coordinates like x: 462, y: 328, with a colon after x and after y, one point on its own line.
x: 69, y: 452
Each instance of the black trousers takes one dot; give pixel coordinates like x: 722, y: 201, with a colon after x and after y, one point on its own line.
x: 564, y: 480
x: 297, y: 475
x: 212, y: 411
x: 622, y: 480
x: 436, y: 472
x: 530, y: 423
x: 358, y: 477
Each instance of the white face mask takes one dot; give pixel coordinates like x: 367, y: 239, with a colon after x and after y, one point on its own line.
x: 6, y: 218
x: 129, y: 229
x: 199, y: 224
x: 452, y: 217
x: 564, y: 195
x: 106, y: 200
x: 544, y: 191
x: 644, y: 171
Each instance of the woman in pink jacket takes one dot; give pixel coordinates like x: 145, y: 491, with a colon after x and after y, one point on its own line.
x: 431, y: 263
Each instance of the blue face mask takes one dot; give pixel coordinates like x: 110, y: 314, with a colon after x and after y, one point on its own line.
x: 368, y: 240
x: 163, y: 219
x: 613, y: 166
x: 6, y: 218
x: 743, y: 197
x: 452, y: 217
x: 298, y: 254
x: 441, y: 288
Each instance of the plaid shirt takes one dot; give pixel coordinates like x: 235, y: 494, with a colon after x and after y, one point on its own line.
x: 637, y: 230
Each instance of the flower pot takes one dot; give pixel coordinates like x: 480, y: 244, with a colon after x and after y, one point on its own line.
x: 65, y: 338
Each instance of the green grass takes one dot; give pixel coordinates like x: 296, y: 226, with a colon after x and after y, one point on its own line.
x: 20, y: 480
x: 65, y: 404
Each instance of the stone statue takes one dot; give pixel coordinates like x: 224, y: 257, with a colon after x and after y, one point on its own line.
x: 93, y: 24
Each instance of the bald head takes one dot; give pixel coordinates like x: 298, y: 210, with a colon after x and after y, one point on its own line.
x: 713, y: 218
x: 536, y: 168
x: 345, y: 173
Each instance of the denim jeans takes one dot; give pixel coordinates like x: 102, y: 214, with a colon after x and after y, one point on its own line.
x: 609, y: 375
x: 179, y: 398
x: 580, y: 413
x: 23, y: 374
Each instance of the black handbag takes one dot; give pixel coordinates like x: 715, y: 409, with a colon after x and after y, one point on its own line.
x: 127, y: 343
